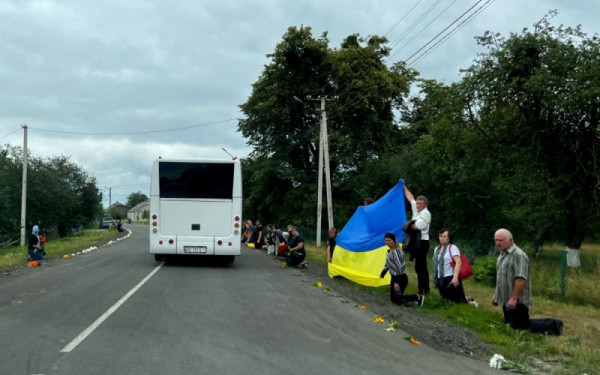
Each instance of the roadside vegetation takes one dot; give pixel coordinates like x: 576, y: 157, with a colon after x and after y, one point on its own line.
x: 17, y: 255
x: 577, y: 351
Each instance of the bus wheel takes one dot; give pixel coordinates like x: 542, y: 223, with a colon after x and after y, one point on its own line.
x: 229, y: 259
x: 159, y: 257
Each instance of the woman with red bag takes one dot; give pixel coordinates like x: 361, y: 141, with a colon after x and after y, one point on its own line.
x: 445, y: 277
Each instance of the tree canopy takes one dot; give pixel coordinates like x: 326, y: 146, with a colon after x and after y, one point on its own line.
x: 514, y: 143
x: 60, y: 194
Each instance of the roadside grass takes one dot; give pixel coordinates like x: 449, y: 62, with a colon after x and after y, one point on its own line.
x: 16, y: 255
x: 577, y: 351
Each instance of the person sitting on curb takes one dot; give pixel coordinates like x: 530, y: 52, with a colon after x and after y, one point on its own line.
x: 34, y: 249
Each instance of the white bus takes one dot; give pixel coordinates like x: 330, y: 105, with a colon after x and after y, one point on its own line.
x: 196, y: 208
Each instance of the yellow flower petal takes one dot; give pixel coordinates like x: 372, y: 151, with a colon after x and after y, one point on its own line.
x: 319, y: 284
x: 362, y: 307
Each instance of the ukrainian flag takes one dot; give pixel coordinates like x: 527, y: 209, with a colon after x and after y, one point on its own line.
x: 360, y: 251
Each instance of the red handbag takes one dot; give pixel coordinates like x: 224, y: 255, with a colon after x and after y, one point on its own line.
x: 465, y: 267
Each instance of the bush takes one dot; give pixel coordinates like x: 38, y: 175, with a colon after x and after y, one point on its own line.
x: 484, y: 270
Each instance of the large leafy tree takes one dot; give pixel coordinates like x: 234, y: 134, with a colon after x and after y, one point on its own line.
x: 60, y: 194
x: 516, y: 142
x: 283, y: 126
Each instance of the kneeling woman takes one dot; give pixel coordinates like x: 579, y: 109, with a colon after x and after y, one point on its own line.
x: 394, y: 262
x: 445, y: 277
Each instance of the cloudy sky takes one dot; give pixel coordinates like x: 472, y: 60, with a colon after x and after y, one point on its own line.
x: 115, y: 84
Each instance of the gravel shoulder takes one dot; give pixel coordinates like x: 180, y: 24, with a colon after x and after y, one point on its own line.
x: 428, y: 329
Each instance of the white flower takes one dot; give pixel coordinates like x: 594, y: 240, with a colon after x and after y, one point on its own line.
x: 496, y: 361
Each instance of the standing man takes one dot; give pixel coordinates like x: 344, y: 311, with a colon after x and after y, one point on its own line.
x: 513, y: 289
x: 422, y: 218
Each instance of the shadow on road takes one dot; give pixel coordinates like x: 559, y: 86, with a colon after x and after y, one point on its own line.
x: 198, y: 261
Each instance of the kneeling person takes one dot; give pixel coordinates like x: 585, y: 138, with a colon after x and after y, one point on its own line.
x: 395, y: 263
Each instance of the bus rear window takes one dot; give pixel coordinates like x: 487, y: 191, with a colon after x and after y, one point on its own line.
x: 196, y: 180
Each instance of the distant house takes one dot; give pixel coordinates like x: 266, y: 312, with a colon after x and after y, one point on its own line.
x: 137, y: 212
x: 117, y: 205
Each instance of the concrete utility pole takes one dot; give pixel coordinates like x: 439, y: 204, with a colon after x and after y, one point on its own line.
x: 24, y: 187
x: 323, y: 161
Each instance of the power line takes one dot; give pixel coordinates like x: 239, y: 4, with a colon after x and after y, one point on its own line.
x: 414, y: 24
x: 360, y: 97
x: 134, y: 133
x: 441, y: 32
x: 402, y: 19
x: 452, y: 32
x: 14, y: 131
x: 344, y: 86
x: 423, y: 29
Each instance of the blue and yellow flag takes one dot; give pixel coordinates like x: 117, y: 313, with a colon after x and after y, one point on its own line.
x: 360, y: 251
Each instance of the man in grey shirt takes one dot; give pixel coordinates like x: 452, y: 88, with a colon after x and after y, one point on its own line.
x: 512, y: 273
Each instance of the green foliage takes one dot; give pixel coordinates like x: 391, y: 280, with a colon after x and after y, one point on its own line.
x: 484, y: 270
x: 136, y: 198
x: 118, y: 213
x: 280, y: 176
x: 512, y: 144
x: 60, y: 194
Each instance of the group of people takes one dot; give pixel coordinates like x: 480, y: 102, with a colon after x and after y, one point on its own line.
x: 276, y: 242
x: 513, y: 286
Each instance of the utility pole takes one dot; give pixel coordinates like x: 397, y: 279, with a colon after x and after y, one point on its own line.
x: 323, y: 161
x: 109, y: 196
x: 24, y: 187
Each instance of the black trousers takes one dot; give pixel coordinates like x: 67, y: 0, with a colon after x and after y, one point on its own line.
x: 421, y: 267
x: 518, y: 318
x: 450, y: 292
x: 398, y: 297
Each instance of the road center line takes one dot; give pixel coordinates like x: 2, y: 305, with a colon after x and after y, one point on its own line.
x: 77, y: 340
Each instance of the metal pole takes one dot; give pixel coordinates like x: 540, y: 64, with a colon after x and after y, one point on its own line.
x: 24, y: 187
x: 326, y: 161
x: 563, y: 273
x: 320, y: 185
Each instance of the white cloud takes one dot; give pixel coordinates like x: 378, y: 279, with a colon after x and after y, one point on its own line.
x: 131, y: 66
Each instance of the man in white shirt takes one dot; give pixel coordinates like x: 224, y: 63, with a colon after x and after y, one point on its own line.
x: 422, y: 218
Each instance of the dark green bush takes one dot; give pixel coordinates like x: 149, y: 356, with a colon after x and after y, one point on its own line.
x: 484, y: 270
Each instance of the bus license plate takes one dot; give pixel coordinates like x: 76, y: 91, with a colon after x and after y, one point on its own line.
x: 194, y: 249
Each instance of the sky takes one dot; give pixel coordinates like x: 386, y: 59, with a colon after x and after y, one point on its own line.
x: 116, y: 84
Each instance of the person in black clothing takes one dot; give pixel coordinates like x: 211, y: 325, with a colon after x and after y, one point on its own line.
x: 120, y: 227
x: 331, y: 244
x: 394, y: 262
x: 260, y: 238
x: 295, y: 253
x: 34, y: 248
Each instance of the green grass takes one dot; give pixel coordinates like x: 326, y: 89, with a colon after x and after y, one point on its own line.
x: 16, y: 255
x: 577, y: 351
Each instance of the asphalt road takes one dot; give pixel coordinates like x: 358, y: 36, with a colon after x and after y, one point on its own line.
x: 117, y: 311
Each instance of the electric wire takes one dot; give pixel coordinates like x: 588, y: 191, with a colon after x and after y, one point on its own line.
x: 14, y: 131
x: 452, y: 32
x: 134, y: 133
x: 360, y: 97
x: 421, y: 31
x: 344, y: 87
x: 444, y: 30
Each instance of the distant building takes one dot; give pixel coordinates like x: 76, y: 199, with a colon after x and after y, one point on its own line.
x: 137, y: 212
x: 117, y: 205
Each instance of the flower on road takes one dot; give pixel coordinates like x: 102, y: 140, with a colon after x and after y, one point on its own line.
x: 363, y: 307
x: 378, y: 319
x: 393, y: 326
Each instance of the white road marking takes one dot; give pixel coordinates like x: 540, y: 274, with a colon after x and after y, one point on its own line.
x: 77, y: 340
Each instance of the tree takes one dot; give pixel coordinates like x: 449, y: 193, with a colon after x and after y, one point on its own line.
x: 136, y: 198
x: 516, y: 142
x: 283, y: 126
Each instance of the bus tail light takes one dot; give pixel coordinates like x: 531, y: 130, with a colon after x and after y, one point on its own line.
x: 160, y: 242
x: 230, y: 244
x: 154, y: 223
x: 237, y: 218
x: 219, y: 242
x: 236, y: 225
x: 171, y: 241
x: 154, y: 217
